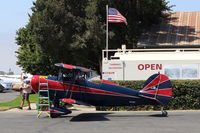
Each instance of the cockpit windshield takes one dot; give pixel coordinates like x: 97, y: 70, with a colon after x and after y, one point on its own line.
x: 73, y: 73
x: 66, y: 75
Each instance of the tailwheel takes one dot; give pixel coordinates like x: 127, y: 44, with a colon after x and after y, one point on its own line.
x: 164, y: 113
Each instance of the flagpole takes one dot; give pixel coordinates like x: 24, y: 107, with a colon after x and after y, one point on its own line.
x: 107, y: 32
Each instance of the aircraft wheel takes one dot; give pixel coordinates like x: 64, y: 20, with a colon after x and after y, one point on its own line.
x: 164, y: 113
x: 54, y: 115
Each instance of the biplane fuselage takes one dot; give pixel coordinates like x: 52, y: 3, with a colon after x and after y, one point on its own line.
x: 157, y: 90
x: 102, y: 94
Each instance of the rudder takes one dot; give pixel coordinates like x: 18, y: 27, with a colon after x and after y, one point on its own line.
x: 159, y: 88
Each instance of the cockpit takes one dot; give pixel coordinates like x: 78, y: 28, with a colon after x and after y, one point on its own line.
x: 70, y: 73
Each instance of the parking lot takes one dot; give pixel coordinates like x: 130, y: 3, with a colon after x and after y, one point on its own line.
x: 8, y: 95
x: 101, y: 122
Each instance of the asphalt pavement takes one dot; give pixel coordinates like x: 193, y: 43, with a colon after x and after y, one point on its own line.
x: 8, y: 95
x: 101, y: 122
x: 90, y: 121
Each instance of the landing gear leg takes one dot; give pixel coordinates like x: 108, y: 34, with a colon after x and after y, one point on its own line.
x: 164, y: 112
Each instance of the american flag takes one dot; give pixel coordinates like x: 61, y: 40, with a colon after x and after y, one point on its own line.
x: 114, y: 16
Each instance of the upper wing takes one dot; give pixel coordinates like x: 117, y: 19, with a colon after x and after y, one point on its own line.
x: 67, y: 66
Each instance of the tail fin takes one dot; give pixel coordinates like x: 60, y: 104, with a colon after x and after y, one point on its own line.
x: 157, y: 87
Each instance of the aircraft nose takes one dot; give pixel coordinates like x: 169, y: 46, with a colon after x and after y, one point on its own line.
x: 34, y: 83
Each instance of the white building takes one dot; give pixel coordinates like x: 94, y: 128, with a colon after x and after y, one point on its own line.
x: 139, y: 64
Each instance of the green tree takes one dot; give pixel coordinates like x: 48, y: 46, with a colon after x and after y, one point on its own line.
x: 30, y: 56
x: 140, y: 14
x: 51, y: 36
x: 73, y: 31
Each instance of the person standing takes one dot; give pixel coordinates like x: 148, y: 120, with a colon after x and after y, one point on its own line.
x: 26, y: 90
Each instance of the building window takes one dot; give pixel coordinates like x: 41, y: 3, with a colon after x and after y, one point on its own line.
x: 189, y: 71
x: 174, y: 71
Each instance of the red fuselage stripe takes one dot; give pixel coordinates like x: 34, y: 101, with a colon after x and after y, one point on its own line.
x: 55, y: 85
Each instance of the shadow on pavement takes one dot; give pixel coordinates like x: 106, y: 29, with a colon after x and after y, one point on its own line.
x: 90, y: 117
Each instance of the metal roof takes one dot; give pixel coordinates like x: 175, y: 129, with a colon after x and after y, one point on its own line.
x: 179, y: 29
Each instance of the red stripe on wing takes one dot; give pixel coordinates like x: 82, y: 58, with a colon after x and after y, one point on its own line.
x: 68, y: 100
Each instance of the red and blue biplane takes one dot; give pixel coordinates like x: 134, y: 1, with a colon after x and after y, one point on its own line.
x: 73, y: 87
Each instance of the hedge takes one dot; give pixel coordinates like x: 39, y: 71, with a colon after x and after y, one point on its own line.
x: 186, y: 96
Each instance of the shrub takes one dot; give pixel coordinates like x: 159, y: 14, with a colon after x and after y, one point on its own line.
x: 186, y: 95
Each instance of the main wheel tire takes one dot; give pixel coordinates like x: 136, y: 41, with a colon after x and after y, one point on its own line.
x: 164, y: 113
x: 54, y: 115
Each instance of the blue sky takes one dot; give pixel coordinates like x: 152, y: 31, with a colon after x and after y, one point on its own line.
x: 14, y: 14
x: 185, y: 5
